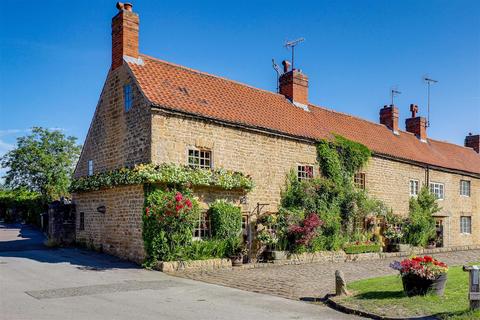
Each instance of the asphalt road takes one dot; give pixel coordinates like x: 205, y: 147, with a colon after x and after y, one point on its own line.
x: 41, y: 283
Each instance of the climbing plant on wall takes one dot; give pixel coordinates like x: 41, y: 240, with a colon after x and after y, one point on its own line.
x: 169, y: 174
x: 333, y: 196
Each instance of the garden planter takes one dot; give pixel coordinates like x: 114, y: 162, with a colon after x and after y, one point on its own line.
x: 398, y: 247
x: 414, y: 285
x: 237, y: 261
x: 275, y: 255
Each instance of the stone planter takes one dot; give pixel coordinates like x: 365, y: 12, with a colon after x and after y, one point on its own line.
x: 414, y: 285
x: 276, y: 255
x: 398, y: 247
x: 237, y: 261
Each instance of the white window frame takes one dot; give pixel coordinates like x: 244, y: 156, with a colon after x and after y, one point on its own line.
x: 200, y: 158
x: 203, y: 227
x: 360, y: 180
x: 90, y: 167
x: 466, y: 224
x: 414, y: 185
x: 127, y: 97
x: 438, y: 186
x: 465, y: 191
x: 302, y: 173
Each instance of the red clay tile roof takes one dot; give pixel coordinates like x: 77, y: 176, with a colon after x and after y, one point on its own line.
x: 182, y: 89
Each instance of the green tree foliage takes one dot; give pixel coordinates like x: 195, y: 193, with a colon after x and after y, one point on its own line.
x: 43, y: 161
x: 420, y: 228
x: 21, y: 203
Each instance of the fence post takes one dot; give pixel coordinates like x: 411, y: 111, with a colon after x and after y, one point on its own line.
x: 473, y: 286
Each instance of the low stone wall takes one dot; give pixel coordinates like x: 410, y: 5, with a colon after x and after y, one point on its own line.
x: 192, y: 266
x: 297, y: 259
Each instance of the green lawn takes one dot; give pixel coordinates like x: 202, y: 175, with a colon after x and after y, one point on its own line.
x: 384, y: 296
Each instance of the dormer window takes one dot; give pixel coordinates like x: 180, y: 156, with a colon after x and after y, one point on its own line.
x: 127, y: 96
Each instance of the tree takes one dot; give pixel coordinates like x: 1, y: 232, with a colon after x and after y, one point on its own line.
x: 43, y: 161
x: 420, y: 228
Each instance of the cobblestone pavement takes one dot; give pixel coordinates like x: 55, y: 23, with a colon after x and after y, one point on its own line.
x: 313, y: 280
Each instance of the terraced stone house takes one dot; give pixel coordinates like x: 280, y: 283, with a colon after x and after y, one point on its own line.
x: 155, y: 111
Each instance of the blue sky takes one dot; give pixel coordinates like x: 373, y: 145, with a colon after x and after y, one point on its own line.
x: 54, y: 55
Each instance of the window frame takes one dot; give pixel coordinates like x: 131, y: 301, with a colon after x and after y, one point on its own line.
x: 199, y: 232
x: 360, y: 183
x: 81, y: 221
x: 462, y: 189
x: 200, y: 158
x: 417, y: 182
x: 303, y: 173
x: 127, y: 97
x: 90, y: 169
x: 435, y: 185
x: 466, y: 228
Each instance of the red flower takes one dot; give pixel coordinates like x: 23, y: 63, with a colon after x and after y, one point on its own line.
x: 147, y: 212
x: 178, y: 207
x: 188, y: 203
x: 178, y: 197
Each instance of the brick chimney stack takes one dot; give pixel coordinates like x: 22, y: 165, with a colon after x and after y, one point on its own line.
x: 294, y: 85
x: 417, y: 125
x: 389, y: 117
x: 124, y: 34
x: 473, y: 141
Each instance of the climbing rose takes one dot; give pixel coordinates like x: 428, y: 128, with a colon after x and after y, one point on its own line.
x: 178, y: 197
x: 188, y: 203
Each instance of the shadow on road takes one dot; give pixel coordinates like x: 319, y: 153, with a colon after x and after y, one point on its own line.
x: 23, y: 241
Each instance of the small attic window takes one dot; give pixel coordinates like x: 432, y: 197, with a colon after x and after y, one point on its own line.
x: 127, y: 96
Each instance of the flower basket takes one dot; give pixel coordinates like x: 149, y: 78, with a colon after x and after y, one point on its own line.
x: 414, y: 285
x: 422, y: 275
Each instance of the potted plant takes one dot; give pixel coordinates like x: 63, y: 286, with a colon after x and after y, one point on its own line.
x: 394, y: 234
x: 238, y: 252
x: 270, y: 235
x: 422, y: 275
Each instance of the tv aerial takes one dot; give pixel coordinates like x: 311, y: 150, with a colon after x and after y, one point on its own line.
x: 291, y: 45
x: 429, y: 82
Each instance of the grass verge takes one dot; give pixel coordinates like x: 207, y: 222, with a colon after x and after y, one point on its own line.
x: 384, y: 296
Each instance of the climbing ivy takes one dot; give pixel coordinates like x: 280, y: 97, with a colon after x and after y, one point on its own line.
x: 341, y: 207
x: 340, y: 158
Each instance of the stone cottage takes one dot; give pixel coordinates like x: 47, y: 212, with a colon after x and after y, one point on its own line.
x: 156, y: 111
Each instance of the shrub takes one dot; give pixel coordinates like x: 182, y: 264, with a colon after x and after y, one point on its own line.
x: 365, y: 247
x: 226, y: 220
x: 26, y: 205
x: 306, y: 231
x: 168, y: 222
x: 420, y: 227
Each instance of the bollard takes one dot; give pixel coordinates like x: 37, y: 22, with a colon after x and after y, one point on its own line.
x: 340, y: 284
x: 473, y: 286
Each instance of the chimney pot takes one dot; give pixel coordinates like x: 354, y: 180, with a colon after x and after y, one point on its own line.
x: 286, y: 65
x: 389, y: 117
x: 124, y: 34
x: 473, y: 141
x: 417, y: 125
x: 294, y: 86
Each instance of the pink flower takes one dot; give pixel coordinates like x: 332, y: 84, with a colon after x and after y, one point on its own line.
x: 178, y: 197
x: 178, y: 207
x: 188, y: 203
